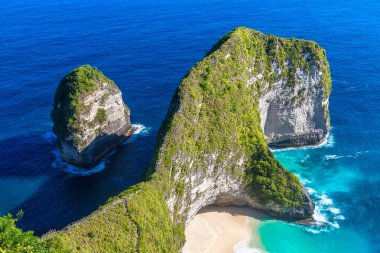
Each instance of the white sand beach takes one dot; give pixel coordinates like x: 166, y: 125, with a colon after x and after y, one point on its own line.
x: 221, y: 229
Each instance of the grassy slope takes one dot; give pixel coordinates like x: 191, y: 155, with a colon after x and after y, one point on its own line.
x: 136, y: 220
x: 213, y: 111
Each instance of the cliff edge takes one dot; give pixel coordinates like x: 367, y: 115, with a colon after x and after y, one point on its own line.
x: 250, y: 90
x: 89, y: 116
x: 294, y: 91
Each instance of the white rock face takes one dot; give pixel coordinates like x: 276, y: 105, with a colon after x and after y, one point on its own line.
x: 116, y: 120
x: 104, y: 123
x: 207, y: 186
x: 215, y: 185
x: 295, y: 116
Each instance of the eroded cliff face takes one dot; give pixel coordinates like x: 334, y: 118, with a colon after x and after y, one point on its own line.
x: 89, y: 115
x: 295, y: 116
x: 214, y: 186
x: 212, y: 148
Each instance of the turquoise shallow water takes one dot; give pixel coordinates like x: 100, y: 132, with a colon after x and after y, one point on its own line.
x: 147, y: 47
x: 329, y: 178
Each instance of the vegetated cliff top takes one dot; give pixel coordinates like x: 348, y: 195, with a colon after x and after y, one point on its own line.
x: 289, y: 54
x: 68, y: 103
x: 213, y: 123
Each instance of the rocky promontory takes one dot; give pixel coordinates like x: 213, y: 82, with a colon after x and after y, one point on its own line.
x: 250, y: 90
x: 89, y: 115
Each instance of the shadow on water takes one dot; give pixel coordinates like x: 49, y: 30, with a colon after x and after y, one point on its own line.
x: 62, y: 198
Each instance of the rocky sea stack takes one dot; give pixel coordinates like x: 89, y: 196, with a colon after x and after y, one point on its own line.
x: 250, y: 90
x: 90, y: 117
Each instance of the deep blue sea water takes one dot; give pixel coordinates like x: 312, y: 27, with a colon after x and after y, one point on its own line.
x: 147, y: 47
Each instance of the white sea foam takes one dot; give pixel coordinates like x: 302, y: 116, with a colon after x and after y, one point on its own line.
x: 243, y: 247
x: 325, y: 200
x: 328, y: 142
x: 326, y: 215
x: 363, y: 152
x: 340, y: 217
x: 303, y: 180
x: 310, y: 190
x: 356, y: 155
x: 71, y: 169
x: 59, y: 164
x: 305, y: 159
x: 331, y: 157
x: 334, y: 210
x: 140, y: 129
x: 318, y: 216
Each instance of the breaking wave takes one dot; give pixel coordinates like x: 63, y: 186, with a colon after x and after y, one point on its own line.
x: 328, y: 142
x: 326, y: 215
x: 71, y: 169
x: 243, y: 247
x: 335, y: 157
x: 141, y: 129
x: 58, y: 163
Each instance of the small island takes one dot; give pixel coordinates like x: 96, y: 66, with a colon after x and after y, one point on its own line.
x: 89, y: 115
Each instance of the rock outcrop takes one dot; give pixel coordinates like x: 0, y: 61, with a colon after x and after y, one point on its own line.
x: 296, y: 115
x: 90, y: 117
x: 212, y: 147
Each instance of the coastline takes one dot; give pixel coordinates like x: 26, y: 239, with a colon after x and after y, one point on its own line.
x: 228, y: 229
x: 326, y: 142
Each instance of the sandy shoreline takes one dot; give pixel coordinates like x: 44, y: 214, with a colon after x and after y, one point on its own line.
x: 218, y: 229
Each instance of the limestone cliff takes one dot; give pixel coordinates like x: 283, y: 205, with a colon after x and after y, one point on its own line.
x: 212, y: 148
x: 89, y: 115
x: 294, y: 107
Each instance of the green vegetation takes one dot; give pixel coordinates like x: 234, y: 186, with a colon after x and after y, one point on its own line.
x: 101, y: 116
x: 104, y: 98
x: 219, y: 114
x: 213, y: 113
x: 68, y: 104
x: 137, y: 220
x: 13, y: 239
x: 213, y: 117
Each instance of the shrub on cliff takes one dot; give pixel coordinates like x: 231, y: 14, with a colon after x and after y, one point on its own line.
x: 13, y: 239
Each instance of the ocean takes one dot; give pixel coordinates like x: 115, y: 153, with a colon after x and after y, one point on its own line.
x: 147, y: 47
